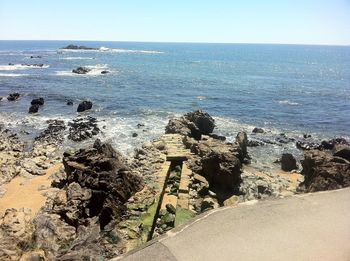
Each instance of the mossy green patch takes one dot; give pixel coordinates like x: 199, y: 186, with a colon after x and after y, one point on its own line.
x: 147, y: 219
x: 182, y: 216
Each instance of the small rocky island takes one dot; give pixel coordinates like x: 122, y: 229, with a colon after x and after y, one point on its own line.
x: 99, y: 204
x: 77, y: 47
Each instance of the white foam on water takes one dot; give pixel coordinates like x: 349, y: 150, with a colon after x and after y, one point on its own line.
x: 95, y: 71
x: 119, y: 131
x: 113, y: 50
x: 12, y: 75
x: 21, y: 67
x: 287, y: 102
x: 76, y: 58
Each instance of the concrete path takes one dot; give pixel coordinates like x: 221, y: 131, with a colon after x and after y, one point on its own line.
x: 306, y: 227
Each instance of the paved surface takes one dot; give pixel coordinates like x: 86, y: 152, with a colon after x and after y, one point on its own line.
x: 307, y: 227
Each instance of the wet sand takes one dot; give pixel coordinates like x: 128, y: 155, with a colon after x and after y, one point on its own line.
x: 24, y: 193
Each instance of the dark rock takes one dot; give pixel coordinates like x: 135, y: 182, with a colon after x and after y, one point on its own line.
x: 139, y: 125
x: 38, y: 101
x: 53, y: 134
x: 76, y: 47
x: 322, y: 171
x: 242, y: 141
x: 134, y: 135
x: 40, y: 65
x: 306, y: 145
x: 258, y: 130
x: 83, y: 128
x: 103, y: 184
x: 330, y: 144
x: 282, y: 138
x: 306, y: 136
x: 105, y: 72
x: 84, y: 105
x: 170, y: 208
x: 218, y: 137
x: 221, y: 168
x: 34, y: 108
x: 192, y: 124
x: 35, y: 57
x: 70, y: 102
x: 13, y: 96
x: 81, y: 70
x: 342, y: 151
x: 288, y: 162
x: 254, y: 143
x: 203, y: 121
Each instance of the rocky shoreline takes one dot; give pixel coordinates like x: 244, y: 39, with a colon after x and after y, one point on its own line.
x: 102, y: 204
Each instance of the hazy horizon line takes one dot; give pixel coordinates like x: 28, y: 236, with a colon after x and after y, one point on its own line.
x: 183, y: 42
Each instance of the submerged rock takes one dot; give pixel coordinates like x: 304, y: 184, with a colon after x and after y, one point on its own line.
x: 81, y: 70
x: 258, y: 130
x: 34, y: 108
x: 13, y: 96
x: 84, y: 106
x: 38, y: 101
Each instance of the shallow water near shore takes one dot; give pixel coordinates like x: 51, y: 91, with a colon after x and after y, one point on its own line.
x: 290, y: 89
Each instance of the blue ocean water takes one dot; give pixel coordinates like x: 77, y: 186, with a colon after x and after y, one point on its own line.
x: 293, y: 89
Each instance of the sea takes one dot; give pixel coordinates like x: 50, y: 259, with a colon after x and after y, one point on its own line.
x: 290, y: 89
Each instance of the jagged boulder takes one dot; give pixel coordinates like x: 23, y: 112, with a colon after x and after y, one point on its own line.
x: 34, y: 108
x: 13, y: 96
x: 102, y: 183
x: 193, y: 124
x: 39, y: 101
x: 81, y: 70
x: 324, y: 171
x: 288, y: 162
x: 84, y: 105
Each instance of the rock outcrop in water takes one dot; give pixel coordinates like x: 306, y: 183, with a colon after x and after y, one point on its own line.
x: 327, y: 167
x: 13, y: 96
x: 77, y: 47
x: 81, y: 70
x: 83, y: 128
x: 192, y: 124
x: 84, y: 106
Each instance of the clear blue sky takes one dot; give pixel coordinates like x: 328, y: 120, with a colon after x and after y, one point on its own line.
x: 241, y: 21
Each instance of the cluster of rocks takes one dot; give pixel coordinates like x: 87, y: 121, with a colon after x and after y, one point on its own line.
x: 216, y: 164
x: 81, y: 70
x: 36, y: 104
x: 327, y: 166
x: 192, y: 124
x: 13, y: 96
x: 85, y: 70
x: 84, y: 106
x: 79, y: 221
x: 83, y: 128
